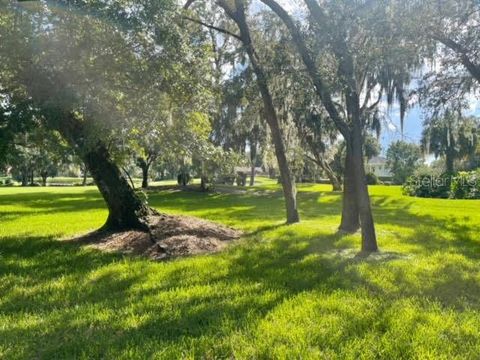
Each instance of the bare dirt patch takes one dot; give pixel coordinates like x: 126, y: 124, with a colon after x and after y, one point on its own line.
x: 169, y: 237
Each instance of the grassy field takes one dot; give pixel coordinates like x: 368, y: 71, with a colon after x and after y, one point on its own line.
x: 280, y: 292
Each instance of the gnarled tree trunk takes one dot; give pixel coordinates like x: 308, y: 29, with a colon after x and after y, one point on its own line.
x: 126, y: 210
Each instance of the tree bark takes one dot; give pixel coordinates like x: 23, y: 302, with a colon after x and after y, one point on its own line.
x: 145, y: 166
x: 85, y: 172
x: 369, y: 237
x: 336, y: 184
x: 237, y: 13
x: 450, y: 161
x: 44, y: 179
x: 253, y: 160
x: 126, y: 209
x: 24, y: 177
x: 450, y: 153
x: 334, y: 180
x: 145, y: 178
x: 252, y: 175
x: 350, y: 222
x: 32, y: 178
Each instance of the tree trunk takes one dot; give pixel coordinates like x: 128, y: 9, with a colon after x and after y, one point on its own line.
x: 44, y: 179
x: 204, y: 183
x: 145, y: 166
x: 32, y: 178
x: 126, y: 209
x: 253, y: 160
x: 288, y: 184
x: 85, y: 172
x: 252, y: 175
x: 334, y: 180
x: 449, y: 160
x: 336, y: 184
x: 145, y: 171
x: 350, y: 222
x: 24, y: 178
x: 369, y: 237
x: 450, y: 153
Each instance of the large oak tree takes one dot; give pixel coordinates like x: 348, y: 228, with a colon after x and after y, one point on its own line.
x: 84, y: 66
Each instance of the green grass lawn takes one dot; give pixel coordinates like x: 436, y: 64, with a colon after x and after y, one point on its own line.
x: 280, y: 292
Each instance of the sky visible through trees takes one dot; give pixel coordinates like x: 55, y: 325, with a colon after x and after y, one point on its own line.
x: 391, y: 130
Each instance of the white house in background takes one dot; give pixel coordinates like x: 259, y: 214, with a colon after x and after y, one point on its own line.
x: 378, y: 166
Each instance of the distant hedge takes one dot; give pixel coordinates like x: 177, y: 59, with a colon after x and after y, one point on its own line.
x: 462, y: 185
x: 371, y: 179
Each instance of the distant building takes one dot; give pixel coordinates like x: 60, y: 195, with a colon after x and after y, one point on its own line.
x: 378, y: 166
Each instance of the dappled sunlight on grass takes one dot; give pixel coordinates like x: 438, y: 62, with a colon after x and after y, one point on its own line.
x: 282, y: 291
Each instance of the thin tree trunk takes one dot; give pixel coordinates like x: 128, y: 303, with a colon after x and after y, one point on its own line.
x: 350, y: 222
x: 252, y: 175
x: 237, y: 13
x: 145, y: 178
x: 145, y: 167
x: 44, y: 179
x: 85, y: 171
x: 24, y: 178
x: 334, y: 180
x: 336, y: 184
x: 145, y: 171
x: 253, y: 160
x: 450, y: 153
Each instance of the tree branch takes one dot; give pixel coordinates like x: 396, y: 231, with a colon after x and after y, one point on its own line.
x: 312, y: 159
x: 472, y: 68
x: 187, y: 4
x: 213, y: 27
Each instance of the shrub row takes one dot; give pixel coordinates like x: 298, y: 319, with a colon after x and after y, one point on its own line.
x: 462, y: 185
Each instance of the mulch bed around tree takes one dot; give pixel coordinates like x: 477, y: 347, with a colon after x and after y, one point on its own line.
x: 169, y: 237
